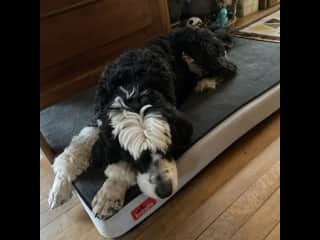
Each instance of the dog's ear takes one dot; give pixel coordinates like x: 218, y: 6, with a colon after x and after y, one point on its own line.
x: 181, y: 129
x: 98, y: 153
x: 106, y: 149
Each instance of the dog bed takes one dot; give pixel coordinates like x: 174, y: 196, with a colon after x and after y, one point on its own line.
x: 220, y: 117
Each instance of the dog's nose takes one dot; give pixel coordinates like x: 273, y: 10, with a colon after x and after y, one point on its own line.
x: 164, y: 189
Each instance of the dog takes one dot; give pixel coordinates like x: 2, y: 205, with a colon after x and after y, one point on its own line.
x: 138, y: 129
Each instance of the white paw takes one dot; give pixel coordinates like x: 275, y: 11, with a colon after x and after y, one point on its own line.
x: 61, y: 191
x: 193, y: 67
x: 109, y: 199
x: 206, y: 84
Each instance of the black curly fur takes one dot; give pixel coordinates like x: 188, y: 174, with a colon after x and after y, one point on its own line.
x: 159, y: 72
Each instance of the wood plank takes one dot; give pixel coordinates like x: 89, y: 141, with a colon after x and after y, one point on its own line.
x: 46, y: 179
x: 263, y: 4
x: 272, y: 3
x: 45, y: 149
x: 242, y: 209
x: 275, y: 233
x: 71, y: 225
x: 63, y: 222
x: 247, y: 20
x: 196, y: 192
x: 48, y: 215
x: 196, y: 223
x: 69, y: 88
x: 49, y: 8
x: 79, y: 70
x: 164, y: 15
x: 92, y: 234
x: 67, y: 35
x: 263, y: 221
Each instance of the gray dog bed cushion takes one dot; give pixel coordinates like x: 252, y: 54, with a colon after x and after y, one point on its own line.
x: 258, y: 69
x: 258, y: 72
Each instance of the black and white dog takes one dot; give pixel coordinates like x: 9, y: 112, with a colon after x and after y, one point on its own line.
x: 139, y: 131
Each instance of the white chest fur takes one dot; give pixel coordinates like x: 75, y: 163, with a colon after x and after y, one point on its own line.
x: 137, y: 132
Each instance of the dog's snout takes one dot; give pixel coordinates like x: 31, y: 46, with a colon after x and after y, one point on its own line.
x: 160, y: 180
x: 164, y: 189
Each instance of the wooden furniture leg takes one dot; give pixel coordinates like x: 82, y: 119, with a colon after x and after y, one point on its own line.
x: 45, y: 149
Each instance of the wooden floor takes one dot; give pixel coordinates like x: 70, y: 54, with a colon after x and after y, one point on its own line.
x: 235, y: 197
x: 247, y: 20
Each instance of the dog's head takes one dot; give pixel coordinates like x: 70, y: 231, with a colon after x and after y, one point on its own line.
x: 152, y: 131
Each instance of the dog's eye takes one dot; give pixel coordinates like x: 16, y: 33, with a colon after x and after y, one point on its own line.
x: 145, y: 92
x: 143, y: 99
x: 190, y: 21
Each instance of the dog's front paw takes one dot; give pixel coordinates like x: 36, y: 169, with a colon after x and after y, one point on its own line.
x: 206, y: 84
x: 109, y: 199
x: 61, y: 191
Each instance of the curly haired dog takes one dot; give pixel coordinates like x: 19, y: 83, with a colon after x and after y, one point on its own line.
x: 139, y: 131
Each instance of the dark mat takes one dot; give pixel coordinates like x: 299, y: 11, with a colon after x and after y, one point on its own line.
x: 258, y: 70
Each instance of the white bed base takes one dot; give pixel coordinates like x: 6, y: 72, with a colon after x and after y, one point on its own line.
x: 193, y: 161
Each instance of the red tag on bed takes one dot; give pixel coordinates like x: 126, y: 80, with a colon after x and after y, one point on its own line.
x: 142, y: 208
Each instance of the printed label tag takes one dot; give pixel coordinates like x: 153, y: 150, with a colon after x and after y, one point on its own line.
x: 143, y: 208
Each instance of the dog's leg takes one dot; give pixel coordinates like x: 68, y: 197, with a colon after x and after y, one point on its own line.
x: 206, y: 84
x: 110, y: 198
x: 203, y: 84
x: 70, y: 164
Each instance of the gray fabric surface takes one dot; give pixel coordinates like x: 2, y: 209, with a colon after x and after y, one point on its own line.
x: 258, y: 70
x: 61, y: 121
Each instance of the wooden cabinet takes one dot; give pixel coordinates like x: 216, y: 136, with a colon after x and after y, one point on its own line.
x: 246, y: 7
x: 264, y: 4
x: 271, y: 3
x: 78, y: 37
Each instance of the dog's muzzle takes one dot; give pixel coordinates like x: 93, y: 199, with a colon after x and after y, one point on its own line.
x: 160, y: 181
x: 164, y: 189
